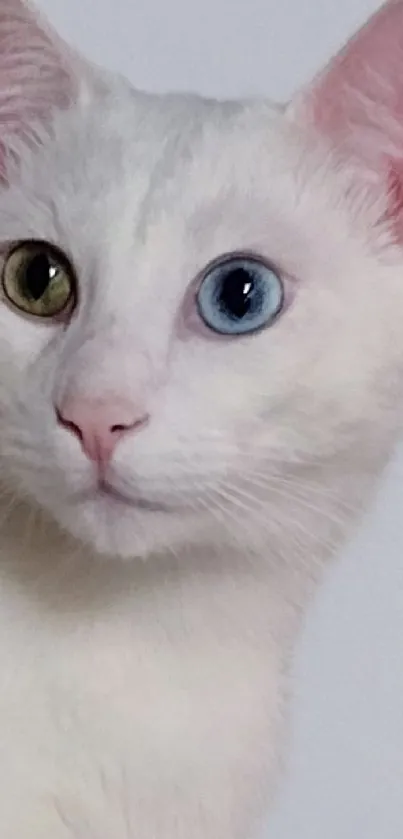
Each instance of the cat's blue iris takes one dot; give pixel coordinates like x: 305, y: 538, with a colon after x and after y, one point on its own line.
x: 239, y: 294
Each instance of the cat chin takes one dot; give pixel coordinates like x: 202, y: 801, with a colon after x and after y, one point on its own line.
x: 116, y: 531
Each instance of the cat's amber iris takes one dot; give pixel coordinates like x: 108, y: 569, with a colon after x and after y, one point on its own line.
x: 38, y: 279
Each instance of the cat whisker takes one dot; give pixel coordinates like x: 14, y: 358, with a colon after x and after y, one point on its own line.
x: 230, y: 496
x: 299, y: 491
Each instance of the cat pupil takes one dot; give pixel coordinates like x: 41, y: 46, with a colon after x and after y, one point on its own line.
x: 38, y: 275
x: 236, y: 292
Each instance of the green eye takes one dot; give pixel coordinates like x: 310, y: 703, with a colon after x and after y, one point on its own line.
x: 38, y: 280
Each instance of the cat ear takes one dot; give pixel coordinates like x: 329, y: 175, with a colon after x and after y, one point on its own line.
x: 38, y: 72
x: 357, y: 101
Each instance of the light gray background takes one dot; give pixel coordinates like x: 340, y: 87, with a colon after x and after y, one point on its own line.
x: 346, y: 769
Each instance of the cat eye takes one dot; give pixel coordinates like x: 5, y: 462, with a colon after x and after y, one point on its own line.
x: 38, y: 279
x: 240, y: 294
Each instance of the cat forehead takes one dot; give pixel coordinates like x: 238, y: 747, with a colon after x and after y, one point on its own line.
x: 134, y: 153
x: 149, y: 182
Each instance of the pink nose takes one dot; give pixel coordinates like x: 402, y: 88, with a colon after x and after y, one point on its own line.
x: 99, y: 424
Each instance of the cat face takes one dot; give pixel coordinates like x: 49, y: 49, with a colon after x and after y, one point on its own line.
x: 197, y: 305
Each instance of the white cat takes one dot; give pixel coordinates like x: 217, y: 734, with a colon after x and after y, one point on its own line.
x: 201, y: 365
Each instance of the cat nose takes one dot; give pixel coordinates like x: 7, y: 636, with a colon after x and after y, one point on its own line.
x: 99, y: 424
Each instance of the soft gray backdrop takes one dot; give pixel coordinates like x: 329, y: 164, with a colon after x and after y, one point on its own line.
x: 346, y: 772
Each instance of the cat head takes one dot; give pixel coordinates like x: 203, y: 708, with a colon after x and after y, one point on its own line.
x: 201, y: 301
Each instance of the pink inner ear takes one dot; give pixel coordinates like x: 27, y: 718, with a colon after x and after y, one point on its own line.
x: 358, y: 103
x: 35, y: 75
x: 368, y: 72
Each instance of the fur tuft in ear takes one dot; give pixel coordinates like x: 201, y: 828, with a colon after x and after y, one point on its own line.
x: 357, y: 102
x: 38, y: 72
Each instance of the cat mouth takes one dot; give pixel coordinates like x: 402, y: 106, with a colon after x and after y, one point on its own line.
x: 104, y: 491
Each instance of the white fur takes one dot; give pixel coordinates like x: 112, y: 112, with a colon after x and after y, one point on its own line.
x: 145, y: 699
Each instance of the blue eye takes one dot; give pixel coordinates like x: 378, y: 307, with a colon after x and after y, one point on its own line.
x: 239, y: 294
